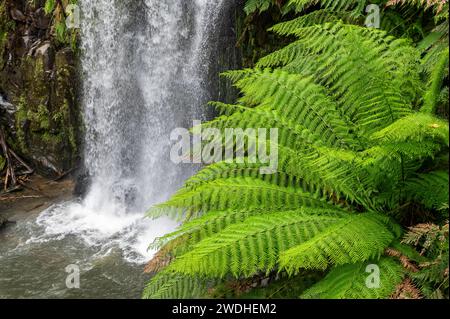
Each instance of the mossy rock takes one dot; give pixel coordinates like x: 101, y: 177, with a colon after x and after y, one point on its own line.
x: 40, y: 80
x: 47, y: 117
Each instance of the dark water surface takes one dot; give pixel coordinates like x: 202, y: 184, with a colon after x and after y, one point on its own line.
x: 38, y: 269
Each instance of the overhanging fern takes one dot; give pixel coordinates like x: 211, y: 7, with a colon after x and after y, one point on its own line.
x: 353, y: 150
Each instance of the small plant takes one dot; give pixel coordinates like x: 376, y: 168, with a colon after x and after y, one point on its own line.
x: 57, y: 10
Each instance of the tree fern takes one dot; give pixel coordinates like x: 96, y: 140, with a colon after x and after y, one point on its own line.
x: 353, y: 151
x: 382, y: 71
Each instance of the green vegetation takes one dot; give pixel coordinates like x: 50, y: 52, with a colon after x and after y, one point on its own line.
x: 41, y: 81
x: 5, y: 27
x: 2, y: 163
x: 363, y: 156
x: 57, y: 9
x: 53, y: 126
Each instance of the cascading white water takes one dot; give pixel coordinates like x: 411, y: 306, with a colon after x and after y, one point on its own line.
x: 144, y: 69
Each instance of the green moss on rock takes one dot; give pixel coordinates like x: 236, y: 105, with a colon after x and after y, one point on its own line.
x: 2, y: 163
x: 42, y: 83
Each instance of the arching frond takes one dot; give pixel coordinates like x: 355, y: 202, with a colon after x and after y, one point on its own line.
x: 435, y: 84
x: 316, y: 17
x: 252, y: 246
x: 354, y: 281
x: 301, y: 100
x: 430, y: 189
x: 414, y: 128
x: 354, y: 239
x: 169, y: 285
x: 236, y: 193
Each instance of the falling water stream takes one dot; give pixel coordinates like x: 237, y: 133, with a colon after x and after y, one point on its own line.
x: 144, y: 67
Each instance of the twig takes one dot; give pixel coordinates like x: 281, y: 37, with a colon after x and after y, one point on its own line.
x: 10, y: 177
x: 19, y: 197
x: 9, y: 165
x: 34, y: 189
x: 29, y: 169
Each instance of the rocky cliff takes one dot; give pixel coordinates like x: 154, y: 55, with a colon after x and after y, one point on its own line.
x: 39, y: 86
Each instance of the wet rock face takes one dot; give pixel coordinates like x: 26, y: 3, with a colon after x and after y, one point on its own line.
x: 39, y: 86
x: 3, y: 222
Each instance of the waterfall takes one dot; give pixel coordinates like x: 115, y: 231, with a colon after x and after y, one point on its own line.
x: 144, y: 66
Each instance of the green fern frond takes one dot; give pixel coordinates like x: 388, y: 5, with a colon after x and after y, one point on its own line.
x: 320, y: 170
x: 353, y: 282
x: 235, y: 193
x: 212, y: 223
x: 284, y: 56
x: 227, y: 109
x: 429, y: 189
x: 252, y: 6
x: 384, y: 156
x: 301, y: 100
x: 290, y: 133
x: 254, y: 245
x: 354, y: 239
x: 334, y: 5
x: 169, y: 285
x: 435, y: 84
x: 417, y: 127
x: 203, y: 227
x: 316, y: 17
x: 373, y: 85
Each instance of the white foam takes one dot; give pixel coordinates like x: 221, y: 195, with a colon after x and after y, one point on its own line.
x: 142, y: 77
x: 102, y: 230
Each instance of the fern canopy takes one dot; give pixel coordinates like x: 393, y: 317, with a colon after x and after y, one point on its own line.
x: 358, y: 142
